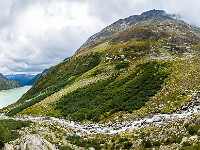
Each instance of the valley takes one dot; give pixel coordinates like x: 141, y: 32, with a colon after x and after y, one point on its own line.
x: 133, y: 85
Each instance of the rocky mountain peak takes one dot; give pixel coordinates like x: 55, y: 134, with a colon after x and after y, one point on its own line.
x: 154, y: 12
x: 123, y: 24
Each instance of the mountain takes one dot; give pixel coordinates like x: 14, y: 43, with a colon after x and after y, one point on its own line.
x: 32, y: 81
x: 23, y: 78
x: 157, y: 21
x: 2, y: 76
x: 138, y: 77
x: 153, y: 38
x: 6, y: 84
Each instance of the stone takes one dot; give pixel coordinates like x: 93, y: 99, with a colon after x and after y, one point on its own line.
x: 157, y: 119
x: 184, y: 139
x: 187, y: 121
x: 33, y: 142
x: 193, y: 138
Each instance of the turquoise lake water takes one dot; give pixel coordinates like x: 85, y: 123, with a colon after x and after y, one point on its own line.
x: 8, y: 97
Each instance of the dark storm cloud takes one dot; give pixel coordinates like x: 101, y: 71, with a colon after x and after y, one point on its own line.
x: 37, y: 34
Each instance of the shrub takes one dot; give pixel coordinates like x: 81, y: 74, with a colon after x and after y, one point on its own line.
x: 121, y: 140
x: 65, y: 148
x: 80, y: 141
x: 191, y: 130
x: 192, y: 147
x: 127, y: 145
x: 146, y: 143
x: 186, y: 125
x: 156, y: 143
x: 122, y: 65
x: 186, y: 144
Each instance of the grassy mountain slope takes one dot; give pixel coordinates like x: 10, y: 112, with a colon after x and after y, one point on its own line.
x: 135, y: 65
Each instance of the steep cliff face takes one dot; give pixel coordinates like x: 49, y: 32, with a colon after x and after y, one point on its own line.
x: 6, y: 84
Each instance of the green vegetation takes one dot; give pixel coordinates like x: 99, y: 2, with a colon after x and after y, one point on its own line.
x: 127, y: 94
x: 122, y: 65
x: 146, y: 143
x: 80, y: 141
x: 191, y: 130
x: 190, y: 147
x: 57, y: 79
x: 156, y: 143
x: 127, y: 145
x: 8, y: 130
x: 65, y: 148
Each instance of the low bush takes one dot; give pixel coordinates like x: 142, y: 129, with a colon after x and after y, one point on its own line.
x: 156, y: 143
x: 191, y: 130
x: 128, y: 145
x: 146, y: 143
x: 122, y: 65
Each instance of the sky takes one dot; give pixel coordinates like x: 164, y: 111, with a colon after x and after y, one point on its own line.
x: 38, y: 34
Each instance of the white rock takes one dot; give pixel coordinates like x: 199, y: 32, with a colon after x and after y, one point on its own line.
x: 184, y: 139
x: 157, y: 119
x: 193, y: 138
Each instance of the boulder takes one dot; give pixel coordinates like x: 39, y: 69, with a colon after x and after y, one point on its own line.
x: 187, y: 121
x: 184, y: 139
x: 157, y: 119
x: 193, y: 138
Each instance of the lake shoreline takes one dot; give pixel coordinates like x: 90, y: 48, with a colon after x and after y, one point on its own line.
x: 10, y: 96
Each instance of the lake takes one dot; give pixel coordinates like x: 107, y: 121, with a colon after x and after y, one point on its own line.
x: 8, y: 97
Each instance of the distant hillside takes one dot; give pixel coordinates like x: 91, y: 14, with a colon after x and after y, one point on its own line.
x: 32, y: 81
x: 25, y: 79
x: 6, y: 84
x: 22, y: 78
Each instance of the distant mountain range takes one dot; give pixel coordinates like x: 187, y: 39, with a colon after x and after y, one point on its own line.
x: 32, y: 81
x: 25, y: 79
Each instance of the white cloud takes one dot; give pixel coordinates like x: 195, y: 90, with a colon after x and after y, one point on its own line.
x: 37, y: 34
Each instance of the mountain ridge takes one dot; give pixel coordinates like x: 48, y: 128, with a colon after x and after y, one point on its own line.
x: 123, y: 24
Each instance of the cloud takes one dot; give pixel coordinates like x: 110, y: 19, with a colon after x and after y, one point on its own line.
x: 38, y: 34
x: 35, y: 35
